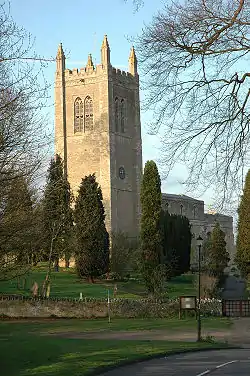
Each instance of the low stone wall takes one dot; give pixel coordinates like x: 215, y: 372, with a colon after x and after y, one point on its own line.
x: 123, y: 308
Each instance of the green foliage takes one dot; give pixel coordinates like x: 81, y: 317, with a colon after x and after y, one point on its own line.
x: 151, y: 236
x: 92, y: 254
x: 176, y: 243
x: 17, y: 231
x: 243, y: 238
x: 122, y: 255
x: 216, y: 254
x: 57, y: 213
x: 209, y: 285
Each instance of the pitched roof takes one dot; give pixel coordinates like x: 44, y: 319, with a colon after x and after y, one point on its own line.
x: 179, y: 197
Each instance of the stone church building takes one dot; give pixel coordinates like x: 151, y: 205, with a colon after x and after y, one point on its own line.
x: 201, y: 223
x: 98, y: 130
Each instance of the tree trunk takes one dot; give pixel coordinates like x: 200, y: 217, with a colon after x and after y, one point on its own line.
x: 91, y: 279
x: 47, y: 278
x: 57, y: 264
x: 66, y: 262
x: 24, y: 283
x: 18, y: 283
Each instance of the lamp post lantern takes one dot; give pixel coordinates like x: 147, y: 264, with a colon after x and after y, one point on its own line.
x: 199, y: 243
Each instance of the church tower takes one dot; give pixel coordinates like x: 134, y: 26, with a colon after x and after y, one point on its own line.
x: 98, y: 130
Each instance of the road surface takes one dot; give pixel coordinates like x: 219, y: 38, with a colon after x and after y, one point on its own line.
x: 216, y: 363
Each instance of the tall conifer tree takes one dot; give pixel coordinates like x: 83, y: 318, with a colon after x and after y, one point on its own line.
x: 58, y: 216
x: 92, y: 255
x: 151, y: 234
x: 216, y: 253
x: 176, y: 243
x: 243, y: 238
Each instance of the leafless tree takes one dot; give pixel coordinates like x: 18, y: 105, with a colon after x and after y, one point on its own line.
x: 136, y: 3
x: 194, y: 57
x: 23, y: 94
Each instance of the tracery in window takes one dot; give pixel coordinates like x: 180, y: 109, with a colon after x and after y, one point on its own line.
x: 78, y: 115
x: 88, y: 114
x: 116, y: 114
x: 122, y: 116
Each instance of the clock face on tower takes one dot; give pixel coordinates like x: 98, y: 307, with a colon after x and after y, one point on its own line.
x: 121, y: 173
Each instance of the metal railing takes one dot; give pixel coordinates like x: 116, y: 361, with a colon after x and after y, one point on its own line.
x: 236, y: 308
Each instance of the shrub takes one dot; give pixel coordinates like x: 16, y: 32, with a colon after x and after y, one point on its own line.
x: 209, y: 286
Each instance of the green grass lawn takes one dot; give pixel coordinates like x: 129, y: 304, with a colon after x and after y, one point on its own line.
x: 24, y: 351
x: 66, y: 284
x: 95, y: 325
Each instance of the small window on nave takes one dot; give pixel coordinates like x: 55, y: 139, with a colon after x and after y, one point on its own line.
x: 78, y: 115
x: 122, y: 116
x: 116, y: 114
x: 181, y: 209
x: 194, y: 212
x: 88, y: 114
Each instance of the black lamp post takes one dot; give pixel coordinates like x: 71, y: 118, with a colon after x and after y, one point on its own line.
x: 199, y: 243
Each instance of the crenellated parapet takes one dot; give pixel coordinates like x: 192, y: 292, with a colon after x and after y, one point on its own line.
x: 124, y: 78
x: 84, y: 72
x: 105, y: 68
x: 98, y: 130
x: 117, y: 73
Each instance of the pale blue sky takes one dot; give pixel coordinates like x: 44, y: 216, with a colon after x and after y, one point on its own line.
x: 80, y: 26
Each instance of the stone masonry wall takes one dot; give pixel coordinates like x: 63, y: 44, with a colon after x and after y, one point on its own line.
x: 104, y: 149
x: 88, y: 152
x: 123, y: 308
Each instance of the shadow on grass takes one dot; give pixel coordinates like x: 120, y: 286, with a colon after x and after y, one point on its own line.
x: 81, y: 325
x: 43, y: 356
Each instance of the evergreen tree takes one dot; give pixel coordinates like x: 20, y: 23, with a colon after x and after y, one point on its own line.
x: 243, y: 238
x: 151, y: 234
x: 123, y: 254
x: 17, y: 229
x: 92, y: 254
x: 57, y: 213
x: 176, y: 243
x: 216, y: 254
x: 39, y: 235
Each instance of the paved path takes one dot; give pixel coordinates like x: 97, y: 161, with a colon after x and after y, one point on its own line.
x: 239, y: 334
x: 146, y: 335
x: 216, y: 363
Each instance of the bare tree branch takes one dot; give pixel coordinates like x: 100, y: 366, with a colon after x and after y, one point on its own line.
x: 24, y: 142
x: 194, y: 57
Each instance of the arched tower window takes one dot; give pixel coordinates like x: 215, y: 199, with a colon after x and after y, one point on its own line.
x: 78, y: 115
x: 181, y: 209
x: 166, y: 206
x: 88, y: 114
x: 116, y: 114
x: 122, y: 116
